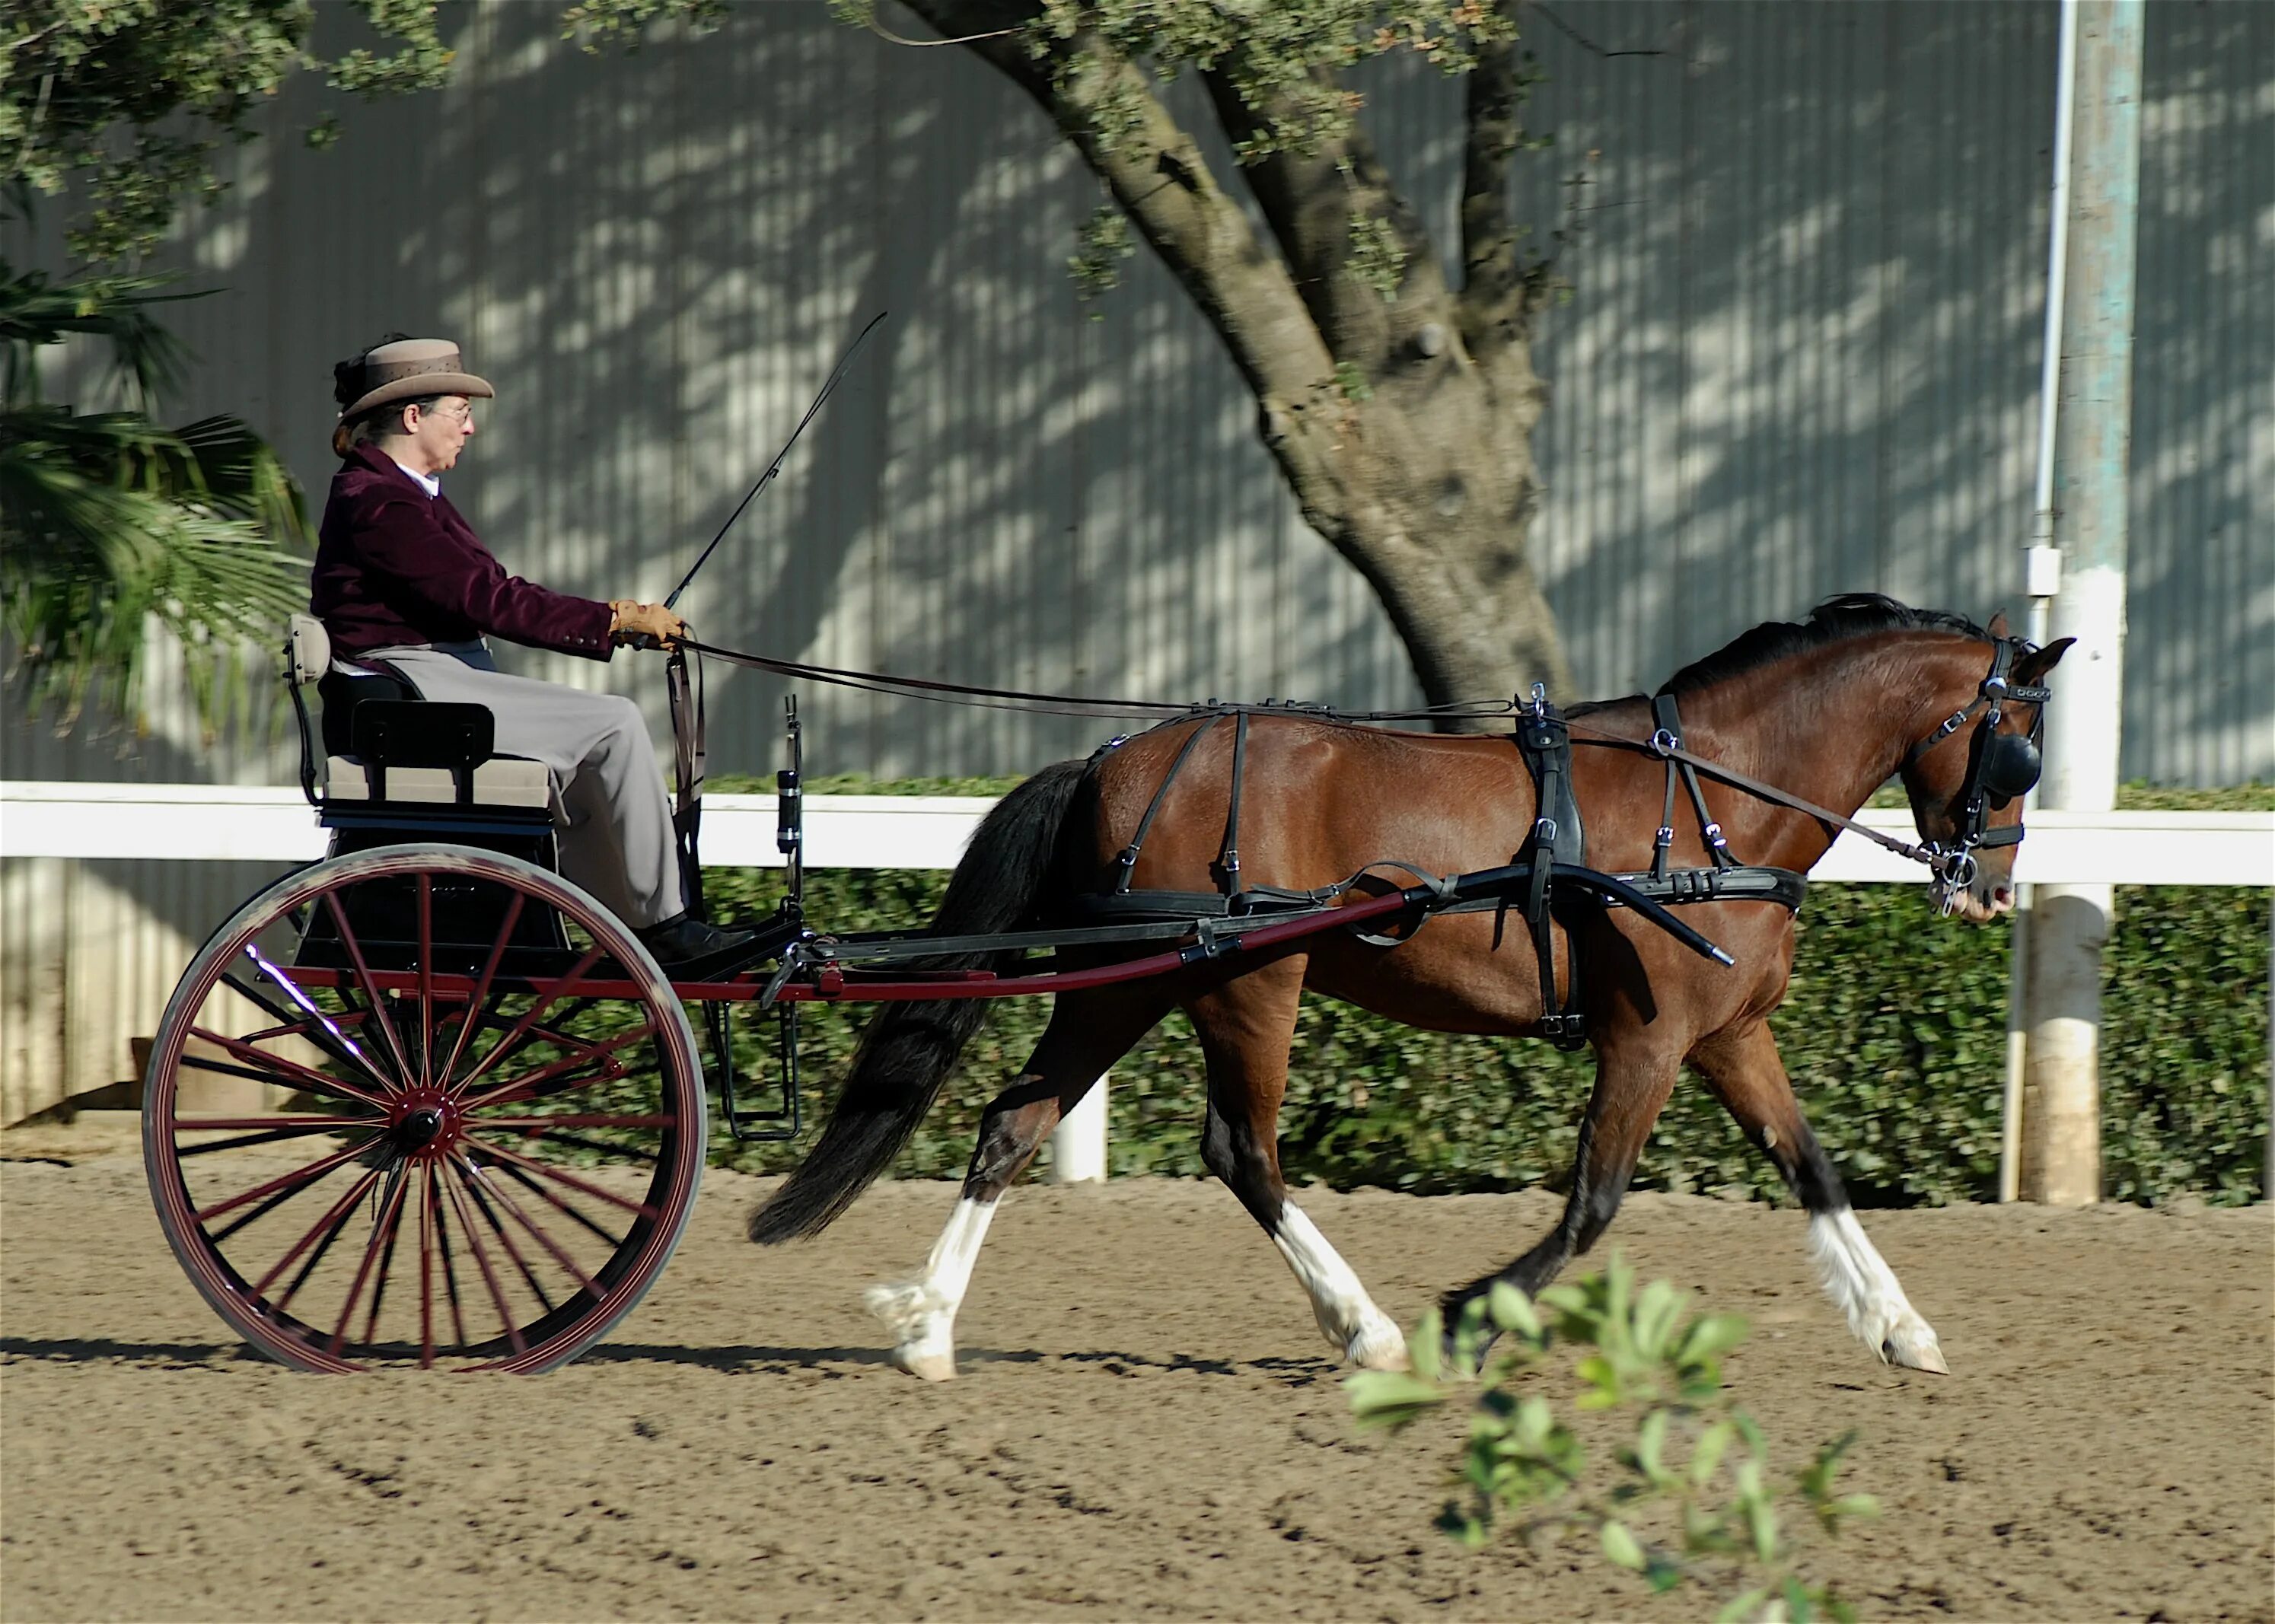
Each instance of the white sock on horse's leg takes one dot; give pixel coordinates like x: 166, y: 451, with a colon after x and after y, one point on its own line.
x: 922, y: 1313
x: 1863, y: 1287
x: 1348, y: 1316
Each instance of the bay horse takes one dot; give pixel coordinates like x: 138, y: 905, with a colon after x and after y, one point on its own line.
x: 1826, y: 709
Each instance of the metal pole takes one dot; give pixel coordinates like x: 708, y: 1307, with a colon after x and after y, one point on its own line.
x: 2061, y: 1139
x: 2041, y: 580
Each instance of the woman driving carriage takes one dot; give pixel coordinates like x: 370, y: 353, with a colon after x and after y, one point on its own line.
x: 406, y: 588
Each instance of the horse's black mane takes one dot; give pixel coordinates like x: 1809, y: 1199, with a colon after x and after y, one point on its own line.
x: 1851, y: 615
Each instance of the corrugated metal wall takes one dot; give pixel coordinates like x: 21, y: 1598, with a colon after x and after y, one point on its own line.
x: 1800, y: 357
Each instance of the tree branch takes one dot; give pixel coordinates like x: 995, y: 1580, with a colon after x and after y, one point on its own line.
x: 1310, y: 199
x: 1160, y: 177
x: 1497, y: 294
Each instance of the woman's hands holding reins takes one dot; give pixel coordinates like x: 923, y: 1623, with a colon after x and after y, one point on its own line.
x: 643, y: 625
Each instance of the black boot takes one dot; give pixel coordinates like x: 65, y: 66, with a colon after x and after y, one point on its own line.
x: 682, y: 939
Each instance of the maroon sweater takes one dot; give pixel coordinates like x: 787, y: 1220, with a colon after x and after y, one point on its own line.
x: 396, y: 566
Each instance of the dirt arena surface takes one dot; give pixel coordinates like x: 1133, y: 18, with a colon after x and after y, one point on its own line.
x: 1147, y: 1425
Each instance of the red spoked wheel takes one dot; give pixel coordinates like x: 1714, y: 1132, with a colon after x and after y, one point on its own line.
x: 424, y: 1107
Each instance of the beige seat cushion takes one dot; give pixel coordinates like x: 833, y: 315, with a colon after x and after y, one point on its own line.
x: 502, y: 781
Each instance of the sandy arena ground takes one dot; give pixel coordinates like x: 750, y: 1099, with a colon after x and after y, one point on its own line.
x: 1146, y: 1426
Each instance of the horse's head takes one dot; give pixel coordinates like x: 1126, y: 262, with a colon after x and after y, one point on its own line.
x: 1967, y: 777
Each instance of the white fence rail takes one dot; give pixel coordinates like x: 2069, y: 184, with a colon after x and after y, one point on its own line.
x: 188, y: 822
x: 185, y: 822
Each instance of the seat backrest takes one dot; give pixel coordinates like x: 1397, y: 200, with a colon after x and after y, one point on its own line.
x: 307, y: 650
x: 394, y: 733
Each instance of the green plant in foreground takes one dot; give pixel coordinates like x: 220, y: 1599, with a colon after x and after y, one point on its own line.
x: 1693, y: 1499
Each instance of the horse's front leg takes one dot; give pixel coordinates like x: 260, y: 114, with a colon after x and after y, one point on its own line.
x: 1087, y: 1034
x: 1742, y: 1064
x: 1636, y: 1069
x: 1245, y: 1027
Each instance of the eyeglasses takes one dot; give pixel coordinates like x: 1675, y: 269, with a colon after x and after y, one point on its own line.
x: 463, y: 412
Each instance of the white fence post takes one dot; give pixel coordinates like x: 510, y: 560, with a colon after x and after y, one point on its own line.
x: 1078, y: 1142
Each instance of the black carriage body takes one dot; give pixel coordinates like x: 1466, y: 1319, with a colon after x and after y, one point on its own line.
x: 469, y: 914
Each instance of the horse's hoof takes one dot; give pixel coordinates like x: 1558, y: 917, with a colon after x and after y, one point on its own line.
x: 1378, y: 1347
x: 1915, y: 1348
x: 925, y: 1365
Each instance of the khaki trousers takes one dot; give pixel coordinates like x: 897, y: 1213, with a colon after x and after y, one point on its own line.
x: 608, y: 799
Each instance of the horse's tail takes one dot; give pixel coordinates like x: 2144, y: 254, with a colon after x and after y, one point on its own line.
x: 910, y: 1048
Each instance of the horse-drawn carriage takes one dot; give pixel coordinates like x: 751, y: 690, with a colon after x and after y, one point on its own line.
x: 424, y: 1102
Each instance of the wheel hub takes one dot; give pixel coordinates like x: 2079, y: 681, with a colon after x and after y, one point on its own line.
x: 418, y: 1128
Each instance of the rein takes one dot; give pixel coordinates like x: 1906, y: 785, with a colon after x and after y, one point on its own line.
x: 1991, y: 769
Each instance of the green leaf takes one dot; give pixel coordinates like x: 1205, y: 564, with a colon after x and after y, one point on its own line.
x: 1761, y: 1527
x: 1654, y: 1317
x: 1800, y: 1603
x: 1620, y: 1545
x: 1712, y: 1334
x: 1425, y: 1347
x: 1651, y: 1445
x: 1708, y: 1454
x: 1390, y: 1397
x: 1741, y: 1608
x: 1512, y: 1310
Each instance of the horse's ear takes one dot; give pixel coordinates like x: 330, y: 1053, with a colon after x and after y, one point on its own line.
x: 1997, y: 626
x: 2034, y: 665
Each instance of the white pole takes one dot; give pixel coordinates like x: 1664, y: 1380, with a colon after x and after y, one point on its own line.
x: 2041, y: 580
x: 1078, y: 1142
x: 2061, y: 1137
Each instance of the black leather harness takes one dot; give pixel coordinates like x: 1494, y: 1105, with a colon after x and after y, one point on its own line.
x: 1558, y: 839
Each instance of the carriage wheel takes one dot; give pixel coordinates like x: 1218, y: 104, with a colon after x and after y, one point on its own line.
x: 426, y: 1106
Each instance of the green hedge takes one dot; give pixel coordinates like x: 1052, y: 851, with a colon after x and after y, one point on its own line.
x: 1893, y: 1029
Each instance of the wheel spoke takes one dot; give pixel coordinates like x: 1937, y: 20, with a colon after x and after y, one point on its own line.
x: 526, y: 1084
x: 450, y: 1258
x: 328, y: 1228
x: 489, y: 1275
x: 386, y: 1268
x: 480, y: 998
x: 547, y: 1170
x: 335, y: 1042
x: 482, y: 1196
x: 299, y: 1176
x: 529, y: 1018
x: 382, y: 1240
x: 532, y: 1124
x: 276, y: 1066
x: 574, y: 1214
x: 374, y: 999
x: 544, y: 1238
x: 425, y: 1266
x: 273, y: 1136
x: 425, y: 976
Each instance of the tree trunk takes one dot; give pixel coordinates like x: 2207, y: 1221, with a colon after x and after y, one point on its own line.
x: 1429, y: 489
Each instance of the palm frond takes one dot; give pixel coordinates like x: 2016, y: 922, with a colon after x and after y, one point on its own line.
x: 35, y: 312
x: 109, y: 521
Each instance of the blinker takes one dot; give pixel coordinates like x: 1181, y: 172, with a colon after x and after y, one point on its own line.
x: 2011, y: 765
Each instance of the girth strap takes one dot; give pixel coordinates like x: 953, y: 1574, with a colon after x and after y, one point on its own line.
x: 1557, y: 837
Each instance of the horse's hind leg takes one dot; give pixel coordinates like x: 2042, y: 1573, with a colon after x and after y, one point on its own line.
x: 1634, y: 1076
x: 1245, y: 1027
x: 1088, y: 1032
x: 1742, y: 1065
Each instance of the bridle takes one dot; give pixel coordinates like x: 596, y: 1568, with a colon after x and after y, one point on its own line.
x: 2000, y: 767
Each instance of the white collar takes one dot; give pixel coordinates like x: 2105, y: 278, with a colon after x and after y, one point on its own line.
x: 432, y: 484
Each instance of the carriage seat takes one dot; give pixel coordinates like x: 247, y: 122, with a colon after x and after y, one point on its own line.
x: 385, y: 746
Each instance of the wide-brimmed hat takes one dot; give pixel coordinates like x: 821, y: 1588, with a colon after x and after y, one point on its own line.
x: 407, y: 369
